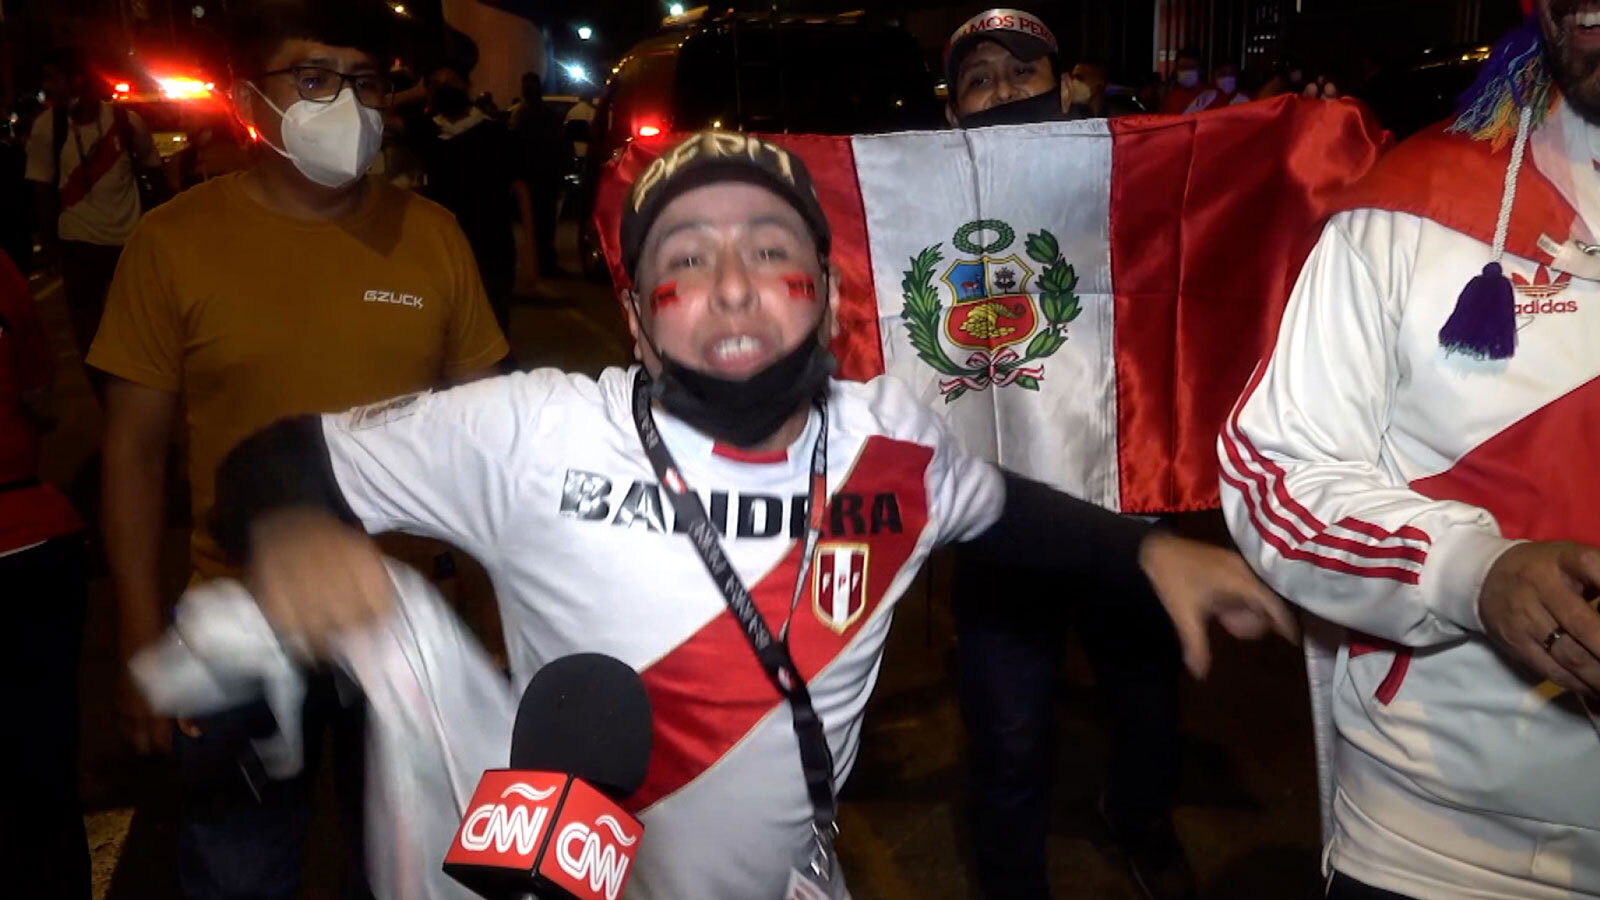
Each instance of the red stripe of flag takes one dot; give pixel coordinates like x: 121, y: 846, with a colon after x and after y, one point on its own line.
x: 1204, y: 253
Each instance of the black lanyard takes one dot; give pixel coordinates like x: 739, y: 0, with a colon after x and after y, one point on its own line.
x: 816, y: 758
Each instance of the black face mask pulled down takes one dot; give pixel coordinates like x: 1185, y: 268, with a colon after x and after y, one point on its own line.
x: 1045, y: 107
x: 744, y: 413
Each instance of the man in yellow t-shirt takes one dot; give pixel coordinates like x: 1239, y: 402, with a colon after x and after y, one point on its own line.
x: 250, y: 314
x: 299, y: 285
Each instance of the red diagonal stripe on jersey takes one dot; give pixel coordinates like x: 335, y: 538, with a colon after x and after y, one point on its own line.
x: 709, y: 692
x: 1531, y: 476
x: 107, y: 153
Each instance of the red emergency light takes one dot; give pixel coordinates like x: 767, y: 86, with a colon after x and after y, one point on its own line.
x: 183, y: 88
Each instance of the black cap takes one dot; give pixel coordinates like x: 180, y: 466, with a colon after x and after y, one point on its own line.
x: 1020, y: 32
x: 709, y: 157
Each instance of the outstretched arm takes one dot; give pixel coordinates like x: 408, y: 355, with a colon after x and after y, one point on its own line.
x: 1196, y: 583
x: 296, y: 501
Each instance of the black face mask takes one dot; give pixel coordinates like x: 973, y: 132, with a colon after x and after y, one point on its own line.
x: 746, y: 412
x: 450, y: 101
x: 1045, y: 107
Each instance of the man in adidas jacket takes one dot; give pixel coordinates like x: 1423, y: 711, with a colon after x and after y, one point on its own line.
x: 1411, y: 464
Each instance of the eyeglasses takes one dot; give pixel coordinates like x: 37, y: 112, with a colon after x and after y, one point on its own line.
x: 321, y: 85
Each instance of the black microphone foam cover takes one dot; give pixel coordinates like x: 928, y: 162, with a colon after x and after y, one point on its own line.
x: 586, y: 715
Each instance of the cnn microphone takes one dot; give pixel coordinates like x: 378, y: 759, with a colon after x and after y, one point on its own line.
x: 549, y: 826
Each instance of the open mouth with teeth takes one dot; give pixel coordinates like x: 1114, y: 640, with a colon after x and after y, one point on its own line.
x: 737, y: 354
x: 1584, y: 18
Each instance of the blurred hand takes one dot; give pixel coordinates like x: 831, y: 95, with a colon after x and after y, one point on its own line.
x: 144, y: 731
x: 1199, y: 583
x: 315, y: 576
x: 1534, y: 589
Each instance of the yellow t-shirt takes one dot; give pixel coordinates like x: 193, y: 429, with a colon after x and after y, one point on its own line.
x: 254, y: 316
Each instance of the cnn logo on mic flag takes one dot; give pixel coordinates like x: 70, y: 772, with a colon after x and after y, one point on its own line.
x: 544, y: 830
x: 593, y: 846
x: 507, y: 821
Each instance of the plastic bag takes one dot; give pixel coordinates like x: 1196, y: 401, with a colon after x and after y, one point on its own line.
x: 439, y: 713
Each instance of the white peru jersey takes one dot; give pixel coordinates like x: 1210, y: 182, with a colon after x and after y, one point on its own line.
x: 541, y: 477
x: 1373, y: 480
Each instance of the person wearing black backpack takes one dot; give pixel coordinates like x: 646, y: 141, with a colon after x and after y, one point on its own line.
x: 86, y: 157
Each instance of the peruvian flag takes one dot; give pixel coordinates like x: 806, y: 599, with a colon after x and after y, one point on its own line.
x: 1082, y: 300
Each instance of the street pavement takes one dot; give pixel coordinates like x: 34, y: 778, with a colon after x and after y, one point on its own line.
x: 1247, y: 810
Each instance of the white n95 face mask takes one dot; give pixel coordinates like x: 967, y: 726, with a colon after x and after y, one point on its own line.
x: 1079, y: 92
x: 331, y: 143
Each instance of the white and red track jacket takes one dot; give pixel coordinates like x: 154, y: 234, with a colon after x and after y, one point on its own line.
x: 1373, y: 480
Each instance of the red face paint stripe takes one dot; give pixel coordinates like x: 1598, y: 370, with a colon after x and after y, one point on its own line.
x: 665, y: 295
x: 801, y: 287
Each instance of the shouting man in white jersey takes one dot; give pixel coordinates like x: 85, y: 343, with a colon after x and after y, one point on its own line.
x: 821, y: 498
x: 1410, y: 464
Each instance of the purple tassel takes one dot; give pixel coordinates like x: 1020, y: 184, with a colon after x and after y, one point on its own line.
x: 1484, y: 323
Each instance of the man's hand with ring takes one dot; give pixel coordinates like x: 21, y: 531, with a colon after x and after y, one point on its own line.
x: 1533, y: 606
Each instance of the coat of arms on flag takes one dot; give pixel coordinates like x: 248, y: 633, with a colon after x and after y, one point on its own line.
x: 839, y: 587
x: 992, y: 310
